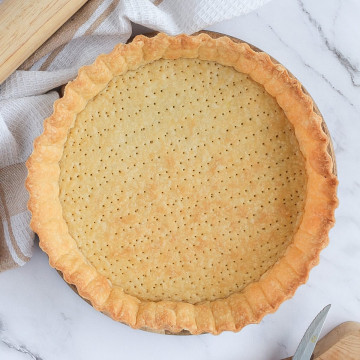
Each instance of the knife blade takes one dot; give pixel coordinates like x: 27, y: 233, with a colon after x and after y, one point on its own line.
x: 311, y: 336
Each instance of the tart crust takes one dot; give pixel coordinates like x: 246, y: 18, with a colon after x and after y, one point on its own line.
x: 239, y: 309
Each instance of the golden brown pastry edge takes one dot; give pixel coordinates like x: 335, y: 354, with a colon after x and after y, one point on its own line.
x: 257, y: 299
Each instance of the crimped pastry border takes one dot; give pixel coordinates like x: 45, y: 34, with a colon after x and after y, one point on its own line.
x: 239, y: 309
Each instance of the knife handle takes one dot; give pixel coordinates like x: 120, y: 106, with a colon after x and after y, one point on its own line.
x: 343, y: 342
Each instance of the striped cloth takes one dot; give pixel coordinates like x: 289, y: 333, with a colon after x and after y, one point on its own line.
x: 27, y: 96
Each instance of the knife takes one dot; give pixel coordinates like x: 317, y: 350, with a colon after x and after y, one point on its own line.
x: 307, y: 344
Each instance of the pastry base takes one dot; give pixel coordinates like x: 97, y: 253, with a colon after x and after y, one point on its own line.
x: 330, y: 150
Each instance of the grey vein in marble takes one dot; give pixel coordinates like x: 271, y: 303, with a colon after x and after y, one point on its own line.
x: 283, y: 348
x: 23, y: 349
x: 336, y: 14
x: 350, y: 68
x: 322, y: 76
x: 20, y: 348
x: 64, y: 317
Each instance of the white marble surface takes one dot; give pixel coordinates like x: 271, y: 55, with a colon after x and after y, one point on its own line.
x: 41, y: 318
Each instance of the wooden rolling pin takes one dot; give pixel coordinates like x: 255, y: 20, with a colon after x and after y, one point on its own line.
x: 342, y: 343
x: 26, y: 24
